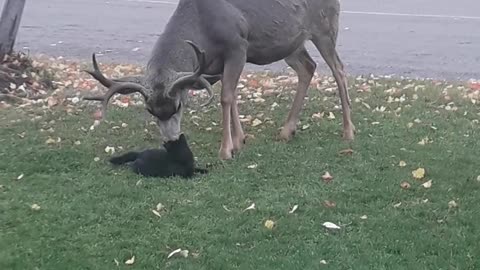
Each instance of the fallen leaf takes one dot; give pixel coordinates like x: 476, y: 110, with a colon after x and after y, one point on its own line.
x: 184, y: 253
x: 269, y: 224
x: 156, y: 213
x: 397, y: 205
x: 427, y: 184
x: 35, y: 207
x: 347, y: 151
x: 327, y: 177
x: 256, y: 122
x: 405, y: 185
x: 226, y: 209
x: 418, y: 173
x: 304, y: 127
x: 330, y: 225
x: 20, y: 177
x: 331, y: 116
x: 50, y: 141
x: 478, y: 178
x: 96, y: 159
x: 251, y: 207
x: 52, y: 101
x: 323, y: 262
x: 77, y: 143
x: 176, y: 251
x: 410, y: 125
x: 130, y: 261
x: 294, y: 208
x: 160, y: 207
x: 452, y: 204
x: 364, y: 217
x: 329, y: 204
x: 253, y: 166
x: 110, y: 150
x: 402, y: 163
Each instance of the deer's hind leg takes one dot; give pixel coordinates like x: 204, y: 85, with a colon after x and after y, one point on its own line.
x: 304, y: 66
x: 326, y: 45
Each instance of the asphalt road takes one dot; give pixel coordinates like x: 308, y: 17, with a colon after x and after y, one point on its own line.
x: 414, y: 38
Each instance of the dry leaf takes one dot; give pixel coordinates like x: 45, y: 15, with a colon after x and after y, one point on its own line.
x: 478, y: 178
x: 327, y: 177
x: 50, y: 141
x: 329, y: 204
x: 418, y: 173
x: 397, y: 205
x: 184, y: 253
x: 304, y: 127
x: 226, y: 209
x: 110, y: 150
x: 452, y: 204
x: 331, y: 116
x: 256, y: 122
x: 130, y: 261
x: 160, y: 207
x: 402, y: 163
x: 405, y: 185
x: 323, y: 262
x: 269, y: 224
x: 77, y: 143
x: 410, y: 125
x: 35, y: 207
x: 156, y: 213
x: 364, y: 217
x: 347, y: 151
x: 294, y: 208
x: 330, y: 225
x: 20, y: 177
x: 253, y: 166
x: 96, y: 159
x: 427, y: 184
x: 251, y: 207
x: 178, y: 250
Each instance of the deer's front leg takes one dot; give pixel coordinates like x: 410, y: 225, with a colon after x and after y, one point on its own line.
x: 238, y: 137
x: 231, y: 74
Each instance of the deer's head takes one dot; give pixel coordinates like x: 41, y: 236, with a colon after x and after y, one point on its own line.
x: 165, y: 97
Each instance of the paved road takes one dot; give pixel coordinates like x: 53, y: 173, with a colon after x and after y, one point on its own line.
x: 415, y: 38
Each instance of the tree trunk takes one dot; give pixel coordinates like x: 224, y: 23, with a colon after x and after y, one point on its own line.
x: 9, y: 24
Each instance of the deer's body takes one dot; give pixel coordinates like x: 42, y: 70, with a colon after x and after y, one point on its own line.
x: 226, y: 34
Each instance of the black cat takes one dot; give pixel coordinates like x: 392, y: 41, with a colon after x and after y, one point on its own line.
x: 176, y: 159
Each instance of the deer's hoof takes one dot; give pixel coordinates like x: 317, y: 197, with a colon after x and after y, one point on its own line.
x: 225, y: 154
x: 238, y: 144
x: 348, y: 135
x: 287, y: 134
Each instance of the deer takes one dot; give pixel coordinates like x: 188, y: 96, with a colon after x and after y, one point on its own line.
x: 207, y: 41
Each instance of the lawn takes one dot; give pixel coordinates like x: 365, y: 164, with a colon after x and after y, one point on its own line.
x: 61, y: 208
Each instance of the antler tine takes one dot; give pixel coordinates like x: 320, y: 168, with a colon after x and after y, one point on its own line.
x: 97, y: 74
x: 209, y: 89
x: 114, y: 87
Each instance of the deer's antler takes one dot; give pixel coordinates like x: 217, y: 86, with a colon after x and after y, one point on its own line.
x: 114, y: 87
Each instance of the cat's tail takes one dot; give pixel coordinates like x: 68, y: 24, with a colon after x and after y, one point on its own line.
x: 125, y: 158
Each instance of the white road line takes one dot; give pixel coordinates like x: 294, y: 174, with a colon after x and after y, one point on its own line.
x: 154, y: 2
x: 164, y: 2
x: 412, y: 15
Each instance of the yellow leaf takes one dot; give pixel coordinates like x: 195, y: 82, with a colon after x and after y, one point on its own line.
x: 419, y: 173
x: 269, y: 224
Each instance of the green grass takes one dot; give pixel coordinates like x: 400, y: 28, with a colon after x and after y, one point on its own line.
x: 92, y: 214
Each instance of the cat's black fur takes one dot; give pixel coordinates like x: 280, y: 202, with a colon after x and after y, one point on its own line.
x: 176, y: 159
